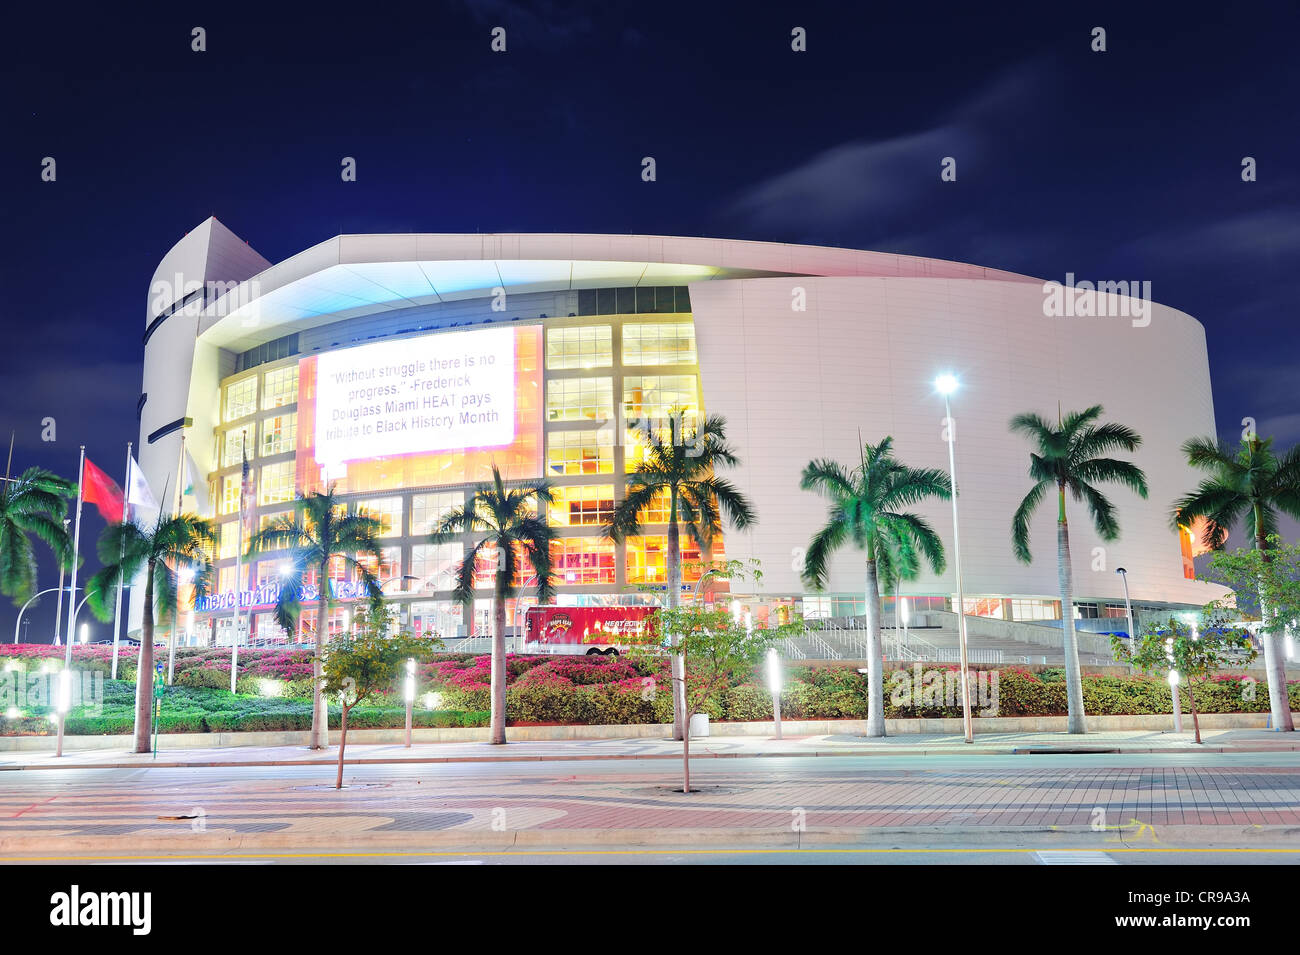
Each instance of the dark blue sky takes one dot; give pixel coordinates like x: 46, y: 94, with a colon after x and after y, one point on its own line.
x: 1116, y: 165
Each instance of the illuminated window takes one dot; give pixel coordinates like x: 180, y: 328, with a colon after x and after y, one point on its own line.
x: 427, y: 510
x: 580, y: 506
x: 436, y: 565
x: 656, y: 512
x: 579, y: 399
x: 485, y: 568
x: 276, y: 483
x: 229, y: 546
x: 280, y: 387
x: 230, y: 494
x: 226, y: 578
x: 388, y: 510
x: 584, y: 347
x: 660, y: 344
x: 241, y: 398
x: 388, y: 568
x: 580, y: 452
x: 647, y: 558
x: 237, y: 443
x: 436, y: 618
x: 1035, y: 609
x: 583, y: 560
x: 652, y: 397
x: 279, y: 433
x: 984, y: 607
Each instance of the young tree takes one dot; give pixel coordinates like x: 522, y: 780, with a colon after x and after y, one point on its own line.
x: 32, y: 504
x: 318, y: 532
x: 867, y: 509
x: 369, y: 662
x: 161, y: 550
x: 1266, y: 582
x: 1251, y: 485
x: 510, y: 524
x: 679, y: 468
x: 1070, y: 457
x: 1194, y: 654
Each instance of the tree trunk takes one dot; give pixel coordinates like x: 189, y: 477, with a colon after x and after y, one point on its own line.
x: 343, y: 742
x: 144, y: 669
x: 320, y: 714
x: 1078, y: 722
x: 686, y: 760
x: 875, y: 652
x: 498, y: 733
x: 678, y: 667
x: 1191, y: 698
x: 1279, y: 702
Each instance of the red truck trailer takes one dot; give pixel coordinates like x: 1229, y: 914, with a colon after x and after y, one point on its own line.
x: 582, y: 630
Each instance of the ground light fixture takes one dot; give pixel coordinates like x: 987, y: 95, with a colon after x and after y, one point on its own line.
x: 1173, y: 685
x: 85, y: 633
x: 774, y: 685
x: 410, y: 696
x: 946, y: 384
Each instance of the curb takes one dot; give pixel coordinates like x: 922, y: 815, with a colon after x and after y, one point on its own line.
x: 1149, y: 838
x: 1026, y: 750
x: 596, y: 757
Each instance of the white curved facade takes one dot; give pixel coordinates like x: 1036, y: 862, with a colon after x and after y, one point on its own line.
x: 799, y: 348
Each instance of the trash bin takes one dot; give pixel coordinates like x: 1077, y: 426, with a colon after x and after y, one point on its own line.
x: 699, y: 725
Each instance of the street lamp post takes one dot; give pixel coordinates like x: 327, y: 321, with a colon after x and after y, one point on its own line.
x: 946, y: 385
x: 34, y: 597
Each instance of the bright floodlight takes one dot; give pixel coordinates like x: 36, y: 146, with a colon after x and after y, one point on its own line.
x: 410, y: 680
x: 286, y: 569
x: 1173, y: 678
x: 945, y: 384
x: 85, y: 633
x: 773, y: 672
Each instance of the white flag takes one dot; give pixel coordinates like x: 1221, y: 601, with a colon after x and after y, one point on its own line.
x: 194, y: 486
x: 138, y: 494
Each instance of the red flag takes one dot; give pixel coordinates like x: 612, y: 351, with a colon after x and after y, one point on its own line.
x: 102, y: 491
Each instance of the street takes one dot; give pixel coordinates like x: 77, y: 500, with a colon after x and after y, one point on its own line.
x: 1132, y: 809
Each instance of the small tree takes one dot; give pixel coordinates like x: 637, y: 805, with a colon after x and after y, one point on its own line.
x: 1266, y: 581
x: 1194, y: 653
x: 711, y: 645
x: 368, y: 662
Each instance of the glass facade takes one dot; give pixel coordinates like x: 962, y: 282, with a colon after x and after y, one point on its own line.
x: 628, y: 355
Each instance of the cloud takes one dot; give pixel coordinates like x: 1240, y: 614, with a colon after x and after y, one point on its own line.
x: 885, y: 184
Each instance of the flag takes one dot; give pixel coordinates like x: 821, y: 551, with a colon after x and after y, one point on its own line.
x: 138, y: 494
x: 194, y: 486
x: 246, y: 495
x: 102, y: 491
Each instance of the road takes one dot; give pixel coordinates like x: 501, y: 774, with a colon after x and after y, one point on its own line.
x: 1132, y: 809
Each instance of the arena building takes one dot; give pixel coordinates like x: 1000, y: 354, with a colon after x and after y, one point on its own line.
x: 399, y: 368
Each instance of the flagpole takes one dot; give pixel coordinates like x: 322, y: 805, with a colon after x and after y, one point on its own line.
x: 176, y: 591
x: 65, y: 688
x: 121, y: 577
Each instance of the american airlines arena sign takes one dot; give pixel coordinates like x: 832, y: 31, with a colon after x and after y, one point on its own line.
x: 268, y: 593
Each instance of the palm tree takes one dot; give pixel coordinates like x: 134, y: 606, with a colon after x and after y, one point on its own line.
x: 1067, y: 456
x: 680, y: 466
x: 510, y: 524
x: 161, y: 551
x: 1251, y: 484
x: 34, y: 503
x: 866, y: 509
x: 318, y: 532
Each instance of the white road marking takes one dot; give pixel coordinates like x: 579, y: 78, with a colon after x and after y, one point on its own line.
x: 1073, y: 858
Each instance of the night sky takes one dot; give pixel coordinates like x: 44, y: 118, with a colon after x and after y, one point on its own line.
x: 1117, y: 165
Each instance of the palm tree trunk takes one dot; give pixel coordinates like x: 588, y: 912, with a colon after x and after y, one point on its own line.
x: 1078, y: 722
x: 498, y: 732
x: 875, y: 653
x: 678, y: 665
x: 144, y: 669
x: 1279, y: 703
x: 320, y: 715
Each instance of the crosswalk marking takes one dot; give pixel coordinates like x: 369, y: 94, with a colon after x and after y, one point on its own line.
x: 1073, y: 858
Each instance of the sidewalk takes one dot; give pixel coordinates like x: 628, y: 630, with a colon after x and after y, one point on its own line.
x: 713, y: 747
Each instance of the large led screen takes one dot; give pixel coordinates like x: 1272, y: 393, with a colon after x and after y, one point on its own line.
x: 421, y: 412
